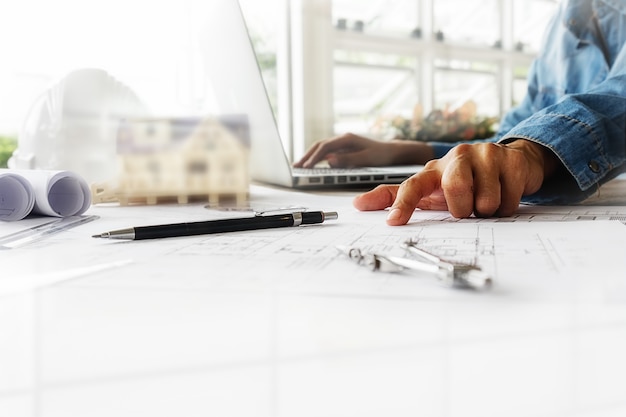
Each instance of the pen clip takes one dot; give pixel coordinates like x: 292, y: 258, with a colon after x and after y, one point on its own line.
x: 279, y: 210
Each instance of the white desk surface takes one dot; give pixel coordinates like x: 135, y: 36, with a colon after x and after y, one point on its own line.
x: 278, y: 323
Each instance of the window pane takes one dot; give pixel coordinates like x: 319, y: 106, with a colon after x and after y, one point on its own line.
x: 464, y: 21
x: 459, y: 82
x: 530, y: 18
x: 370, y: 90
x: 519, y: 85
x: 389, y: 17
x: 263, y: 21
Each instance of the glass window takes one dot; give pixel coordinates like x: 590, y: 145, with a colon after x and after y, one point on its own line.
x: 519, y: 84
x: 530, y: 18
x: 263, y: 20
x: 458, y: 82
x: 462, y: 21
x: 370, y: 90
x: 385, y: 17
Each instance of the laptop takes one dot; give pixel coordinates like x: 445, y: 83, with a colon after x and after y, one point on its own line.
x: 238, y: 86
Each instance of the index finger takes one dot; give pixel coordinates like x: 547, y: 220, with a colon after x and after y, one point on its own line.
x: 402, y: 199
x: 379, y: 198
x: 410, y: 193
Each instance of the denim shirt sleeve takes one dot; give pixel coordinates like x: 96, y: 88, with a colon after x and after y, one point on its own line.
x: 577, y: 99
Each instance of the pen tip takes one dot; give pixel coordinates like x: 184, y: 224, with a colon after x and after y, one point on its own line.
x: 96, y: 235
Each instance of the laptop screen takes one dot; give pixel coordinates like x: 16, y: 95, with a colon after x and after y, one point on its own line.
x: 235, y: 78
x: 232, y: 70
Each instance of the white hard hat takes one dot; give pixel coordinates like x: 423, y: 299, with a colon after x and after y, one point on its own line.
x: 73, y: 125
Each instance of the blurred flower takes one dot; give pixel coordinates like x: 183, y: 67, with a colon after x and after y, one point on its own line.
x: 443, y: 125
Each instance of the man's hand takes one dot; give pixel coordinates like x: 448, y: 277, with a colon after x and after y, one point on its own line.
x: 348, y: 151
x: 486, y: 179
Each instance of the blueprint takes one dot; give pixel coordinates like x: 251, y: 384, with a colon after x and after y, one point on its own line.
x: 283, y: 319
x: 566, y: 244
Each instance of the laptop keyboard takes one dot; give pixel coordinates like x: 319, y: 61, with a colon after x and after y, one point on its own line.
x: 331, y: 171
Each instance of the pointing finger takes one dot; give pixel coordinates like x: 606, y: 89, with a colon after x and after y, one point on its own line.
x: 379, y: 198
x: 410, y: 193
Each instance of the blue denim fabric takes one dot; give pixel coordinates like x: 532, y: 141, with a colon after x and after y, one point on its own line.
x: 576, y: 99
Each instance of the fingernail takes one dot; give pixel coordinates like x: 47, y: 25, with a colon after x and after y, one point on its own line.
x: 394, y: 214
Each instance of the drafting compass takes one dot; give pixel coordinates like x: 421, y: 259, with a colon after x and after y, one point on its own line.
x: 452, y: 274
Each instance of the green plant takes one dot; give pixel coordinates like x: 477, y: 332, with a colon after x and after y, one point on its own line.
x: 7, y: 146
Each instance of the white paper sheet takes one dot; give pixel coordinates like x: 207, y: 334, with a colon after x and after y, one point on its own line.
x: 540, y: 253
x: 282, y: 319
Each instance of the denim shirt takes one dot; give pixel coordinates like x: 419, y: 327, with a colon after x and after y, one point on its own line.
x: 576, y: 99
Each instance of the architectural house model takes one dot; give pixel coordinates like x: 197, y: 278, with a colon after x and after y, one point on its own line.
x: 179, y: 159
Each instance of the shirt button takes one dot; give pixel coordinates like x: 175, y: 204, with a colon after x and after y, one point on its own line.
x: 594, y: 166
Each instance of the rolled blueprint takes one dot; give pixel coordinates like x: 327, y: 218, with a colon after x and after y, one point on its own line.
x: 17, y: 197
x: 56, y: 193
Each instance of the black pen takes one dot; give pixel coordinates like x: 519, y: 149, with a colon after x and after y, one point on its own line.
x: 220, y: 226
